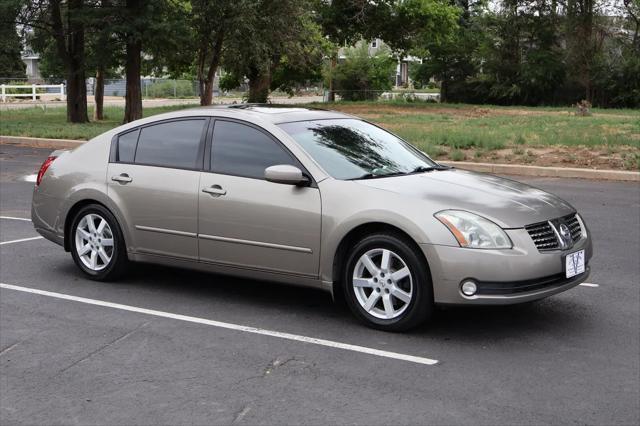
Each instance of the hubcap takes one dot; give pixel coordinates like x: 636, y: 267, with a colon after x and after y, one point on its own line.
x: 94, y: 242
x: 382, y: 283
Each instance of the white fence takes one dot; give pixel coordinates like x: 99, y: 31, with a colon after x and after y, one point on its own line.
x: 36, y: 90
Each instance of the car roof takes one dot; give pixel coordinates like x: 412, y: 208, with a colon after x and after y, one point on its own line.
x: 276, y: 113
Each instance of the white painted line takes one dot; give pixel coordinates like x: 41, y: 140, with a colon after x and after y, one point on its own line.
x: 30, y: 178
x: 20, y: 240
x: 230, y: 326
x: 590, y: 285
x: 15, y: 218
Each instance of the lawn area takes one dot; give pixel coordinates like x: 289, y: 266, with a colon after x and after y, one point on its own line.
x: 608, y: 139
x: 52, y: 122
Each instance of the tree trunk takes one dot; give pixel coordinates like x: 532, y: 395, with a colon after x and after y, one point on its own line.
x: 444, y: 90
x: 206, y: 82
x: 259, y: 84
x: 332, y: 94
x: 133, y: 97
x: 70, y: 46
x: 98, y: 95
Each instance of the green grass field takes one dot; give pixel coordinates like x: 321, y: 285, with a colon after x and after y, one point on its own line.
x: 519, y: 135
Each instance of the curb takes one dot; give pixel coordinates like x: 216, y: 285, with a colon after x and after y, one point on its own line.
x: 538, y: 171
x: 502, y: 169
x: 40, y: 142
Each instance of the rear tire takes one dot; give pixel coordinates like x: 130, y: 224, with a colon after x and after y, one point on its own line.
x: 386, y: 283
x: 97, y: 245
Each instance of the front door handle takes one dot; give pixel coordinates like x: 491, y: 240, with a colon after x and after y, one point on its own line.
x: 214, y: 190
x: 123, y: 178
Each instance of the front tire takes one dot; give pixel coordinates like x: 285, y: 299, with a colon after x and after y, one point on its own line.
x: 387, y: 284
x: 97, y: 245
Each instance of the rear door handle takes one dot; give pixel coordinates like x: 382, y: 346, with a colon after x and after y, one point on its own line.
x: 123, y: 178
x: 214, y: 190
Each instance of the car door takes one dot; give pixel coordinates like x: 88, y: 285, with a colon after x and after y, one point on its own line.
x: 153, y: 176
x: 247, y: 221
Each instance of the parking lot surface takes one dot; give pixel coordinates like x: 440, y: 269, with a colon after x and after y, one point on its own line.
x: 168, y: 346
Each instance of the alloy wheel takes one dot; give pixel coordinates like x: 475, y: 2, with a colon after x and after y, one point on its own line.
x: 382, y: 283
x: 94, y: 242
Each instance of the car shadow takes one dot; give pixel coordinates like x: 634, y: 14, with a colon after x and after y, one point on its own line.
x: 557, y: 314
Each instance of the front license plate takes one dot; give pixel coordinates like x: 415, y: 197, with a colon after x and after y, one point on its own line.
x: 574, y: 263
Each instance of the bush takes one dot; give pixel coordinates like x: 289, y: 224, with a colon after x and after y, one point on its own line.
x: 170, y: 89
x: 361, y: 77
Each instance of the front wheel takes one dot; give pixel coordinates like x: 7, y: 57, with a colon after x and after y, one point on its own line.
x: 97, y: 245
x: 387, y: 284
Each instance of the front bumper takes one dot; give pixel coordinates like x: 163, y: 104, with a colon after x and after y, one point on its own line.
x: 504, y: 277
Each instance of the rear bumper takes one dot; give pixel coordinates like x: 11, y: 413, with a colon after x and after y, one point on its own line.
x: 503, y: 277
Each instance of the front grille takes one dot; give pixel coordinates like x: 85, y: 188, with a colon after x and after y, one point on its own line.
x: 544, y: 235
x: 574, y: 226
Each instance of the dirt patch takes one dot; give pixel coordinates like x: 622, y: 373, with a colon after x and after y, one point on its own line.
x: 620, y: 158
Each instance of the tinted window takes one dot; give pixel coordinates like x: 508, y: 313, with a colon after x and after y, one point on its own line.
x: 244, y: 151
x: 172, y: 144
x: 353, y: 149
x: 127, y: 146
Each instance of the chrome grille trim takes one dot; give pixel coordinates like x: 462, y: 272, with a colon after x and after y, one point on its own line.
x: 545, y: 234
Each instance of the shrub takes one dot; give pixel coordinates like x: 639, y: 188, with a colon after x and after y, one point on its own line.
x: 361, y: 77
x: 171, y: 88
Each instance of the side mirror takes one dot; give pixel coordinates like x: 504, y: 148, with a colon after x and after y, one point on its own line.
x: 286, y: 174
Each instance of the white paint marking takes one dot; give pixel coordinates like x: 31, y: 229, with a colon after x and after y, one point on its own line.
x: 237, y: 327
x: 20, y: 240
x: 590, y: 285
x: 30, y: 178
x: 15, y: 218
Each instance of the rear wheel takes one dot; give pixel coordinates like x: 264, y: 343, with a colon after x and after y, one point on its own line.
x: 386, y: 283
x: 97, y: 245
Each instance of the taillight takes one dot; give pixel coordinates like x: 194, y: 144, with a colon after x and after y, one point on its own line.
x: 43, y: 168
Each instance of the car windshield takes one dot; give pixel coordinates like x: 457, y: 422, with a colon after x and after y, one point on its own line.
x: 354, y: 149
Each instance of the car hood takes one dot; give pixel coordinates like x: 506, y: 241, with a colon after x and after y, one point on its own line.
x: 508, y: 203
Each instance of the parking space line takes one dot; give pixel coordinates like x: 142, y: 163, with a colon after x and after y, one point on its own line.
x: 229, y: 326
x: 590, y: 285
x: 20, y: 240
x: 15, y: 218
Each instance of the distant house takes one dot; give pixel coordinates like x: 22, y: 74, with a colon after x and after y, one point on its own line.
x: 402, y: 69
x: 31, y: 60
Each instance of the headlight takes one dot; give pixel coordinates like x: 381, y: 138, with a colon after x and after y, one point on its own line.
x: 474, y: 231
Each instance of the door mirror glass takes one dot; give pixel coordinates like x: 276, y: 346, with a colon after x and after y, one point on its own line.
x: 284, y: 173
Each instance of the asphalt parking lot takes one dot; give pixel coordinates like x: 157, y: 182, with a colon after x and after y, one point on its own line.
x: 572, y: 358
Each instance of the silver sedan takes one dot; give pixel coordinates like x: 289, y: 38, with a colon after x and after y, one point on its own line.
x: 308, y: 197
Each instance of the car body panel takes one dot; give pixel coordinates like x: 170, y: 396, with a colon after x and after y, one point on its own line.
x: 260, y: 224
x: 291, y: 234
x: 161, y: 207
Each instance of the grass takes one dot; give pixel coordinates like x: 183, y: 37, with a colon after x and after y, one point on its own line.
x: 51, y: 123
x: 524, y: 135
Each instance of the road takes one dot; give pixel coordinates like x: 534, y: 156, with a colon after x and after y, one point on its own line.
x: 569, y: 359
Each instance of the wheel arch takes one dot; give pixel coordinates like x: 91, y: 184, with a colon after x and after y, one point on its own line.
x: 359, y: 232
x: 74, y: 209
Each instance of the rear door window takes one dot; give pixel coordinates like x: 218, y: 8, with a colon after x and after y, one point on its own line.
x: 127, y: 146
x: 175, y: 144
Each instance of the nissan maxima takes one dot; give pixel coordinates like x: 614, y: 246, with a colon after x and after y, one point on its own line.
x: 308, y: 197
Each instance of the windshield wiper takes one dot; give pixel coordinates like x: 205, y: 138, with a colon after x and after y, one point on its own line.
x: 373, y: 176
x: 422, y: 169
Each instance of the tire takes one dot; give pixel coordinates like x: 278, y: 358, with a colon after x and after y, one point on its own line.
x: 410, y: 296
x: 110, y: 259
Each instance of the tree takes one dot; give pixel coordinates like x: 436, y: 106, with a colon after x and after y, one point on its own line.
x: 214, y: 22
x: 64, y: 23
x: 11, y: 65
x: 279, y: 33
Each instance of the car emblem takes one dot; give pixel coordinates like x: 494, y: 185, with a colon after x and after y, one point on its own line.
x: 565, y: 233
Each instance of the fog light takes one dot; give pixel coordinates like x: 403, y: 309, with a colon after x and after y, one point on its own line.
x: 469, y: 288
